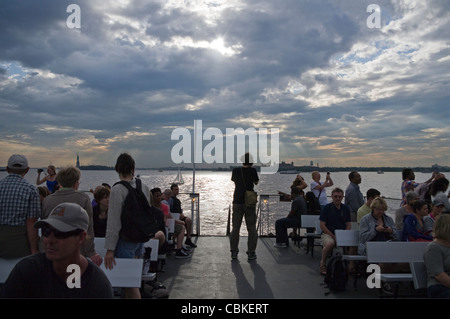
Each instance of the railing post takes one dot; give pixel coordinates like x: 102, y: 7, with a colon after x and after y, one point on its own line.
x: 195, y: 211
x: 264, y: 213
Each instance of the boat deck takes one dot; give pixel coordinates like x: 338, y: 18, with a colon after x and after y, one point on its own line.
x: 277, y: 273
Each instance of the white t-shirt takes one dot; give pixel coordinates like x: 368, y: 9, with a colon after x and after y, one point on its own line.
x: 323, y: 195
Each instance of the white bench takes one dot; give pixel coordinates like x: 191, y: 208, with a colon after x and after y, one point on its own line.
x: 170, y: 227
x: 312, y: 224
x: 395, y: 252
x: 6, y: 265
x: 350, y: 238
x: 127, y: 273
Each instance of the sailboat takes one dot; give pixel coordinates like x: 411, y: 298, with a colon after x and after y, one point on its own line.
x: 179, y: 179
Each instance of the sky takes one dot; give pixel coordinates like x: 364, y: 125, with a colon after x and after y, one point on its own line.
x: 340, y: 89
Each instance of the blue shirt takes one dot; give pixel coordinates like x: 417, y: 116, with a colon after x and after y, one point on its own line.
x: 412, y: 230
x: 353, y: 197
x: 19, y: 200
x: 335, y: 218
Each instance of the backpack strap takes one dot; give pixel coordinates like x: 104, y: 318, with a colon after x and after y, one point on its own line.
x: 129, y: 187
x: 243, y: 179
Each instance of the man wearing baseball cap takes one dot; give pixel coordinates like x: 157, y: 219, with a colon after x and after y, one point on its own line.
x: 20, y: 208
x: 51, y: 274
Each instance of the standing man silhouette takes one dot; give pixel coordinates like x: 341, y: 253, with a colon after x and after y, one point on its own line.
x: 244, y: 178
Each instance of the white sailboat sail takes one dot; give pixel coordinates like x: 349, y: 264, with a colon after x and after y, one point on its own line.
x: 179, y: 179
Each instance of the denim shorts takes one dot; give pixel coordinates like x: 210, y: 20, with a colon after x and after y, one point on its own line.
x: 127, y: 249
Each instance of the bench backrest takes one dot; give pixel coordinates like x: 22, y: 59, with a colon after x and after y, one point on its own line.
x: 6, y: 265
x: 309, y: 221
x: 347, y: 238
x: 99, y: 243
x: 395, y: 251
x: 127, y: 273
x: 399, y: 233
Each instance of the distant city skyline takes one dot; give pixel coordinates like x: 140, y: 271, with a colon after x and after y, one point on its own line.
x: 283, y: 165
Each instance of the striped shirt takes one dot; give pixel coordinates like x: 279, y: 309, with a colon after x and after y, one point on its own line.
x: 19, y: 200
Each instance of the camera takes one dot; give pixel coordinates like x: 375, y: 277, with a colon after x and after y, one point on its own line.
x: 328, y: 173
x: 40, y: 170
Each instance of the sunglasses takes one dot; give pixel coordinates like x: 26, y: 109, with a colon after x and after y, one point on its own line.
x: 46, y: 231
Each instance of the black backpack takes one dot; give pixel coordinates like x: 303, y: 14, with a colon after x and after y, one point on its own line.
x: 337, y: 274
x: 312, y: 204
x: 140, y: 221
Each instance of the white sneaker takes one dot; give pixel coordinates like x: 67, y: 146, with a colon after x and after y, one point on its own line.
x: 146, y: 268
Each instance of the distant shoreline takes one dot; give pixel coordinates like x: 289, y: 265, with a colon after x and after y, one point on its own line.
x: 287, y: 170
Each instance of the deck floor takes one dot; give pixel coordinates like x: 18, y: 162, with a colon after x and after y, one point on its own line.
x: 277, y: 273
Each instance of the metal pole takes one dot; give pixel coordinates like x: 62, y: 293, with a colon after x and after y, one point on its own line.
x: 228, y: 223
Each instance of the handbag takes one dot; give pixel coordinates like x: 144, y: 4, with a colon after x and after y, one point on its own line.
x: 251, y: 197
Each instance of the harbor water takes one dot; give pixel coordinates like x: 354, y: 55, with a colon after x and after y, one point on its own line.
x: 215, y: 190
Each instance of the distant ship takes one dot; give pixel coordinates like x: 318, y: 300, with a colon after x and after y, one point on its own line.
x: 179, y: 179
x: 291, y: 171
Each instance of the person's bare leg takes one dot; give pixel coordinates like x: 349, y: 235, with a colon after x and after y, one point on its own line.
x: 132, y: 293
x: 180, y: 238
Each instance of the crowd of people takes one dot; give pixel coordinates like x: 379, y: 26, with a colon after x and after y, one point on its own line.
x: 69, y: 221
x: 422, y: 205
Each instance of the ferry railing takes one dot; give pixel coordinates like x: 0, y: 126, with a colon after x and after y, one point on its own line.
x: 270, y: 208
x: 264, y: 216
x: 194, y: 200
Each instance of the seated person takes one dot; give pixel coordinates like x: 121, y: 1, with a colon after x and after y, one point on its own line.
x: 437, y: 260
x: 179, y: 227
x: 365, y: 209
x: 43, y: 193
x: 293, y: 219
x: 410, y: 198
x: 437, y: 207
x: 175, y: 207
x: 376, y: 226
x: 44, y: 275
x: 335, y: 215
x: 100, y: 211
x: 413, y: 227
